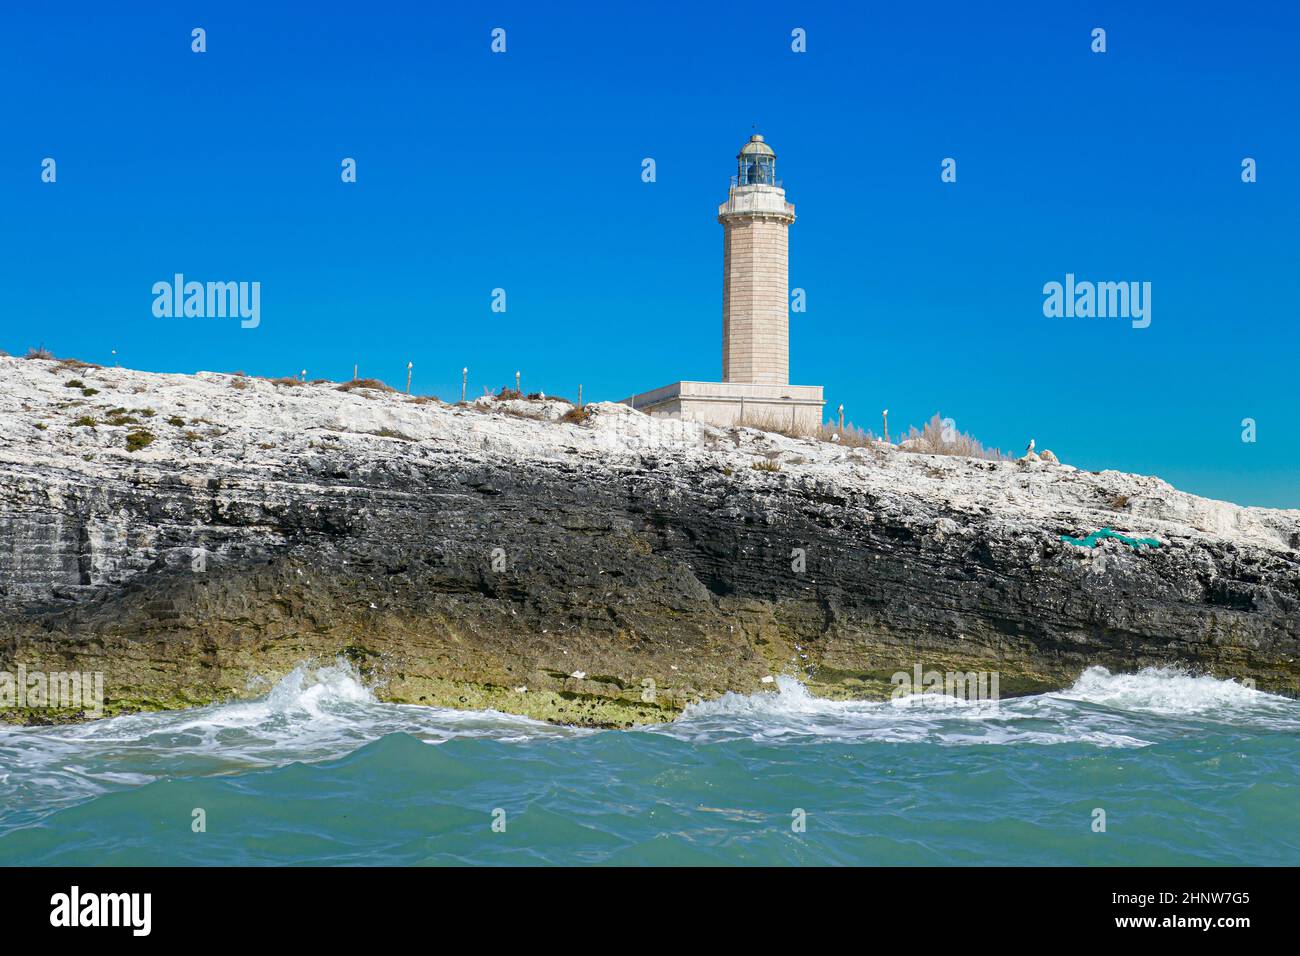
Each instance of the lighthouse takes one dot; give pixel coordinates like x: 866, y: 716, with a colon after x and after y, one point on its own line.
x: 755, y: 271
x: 755, y: 387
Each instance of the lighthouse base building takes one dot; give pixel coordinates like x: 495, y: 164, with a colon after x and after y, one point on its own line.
x: 778, y: 407
x: 755, y: 387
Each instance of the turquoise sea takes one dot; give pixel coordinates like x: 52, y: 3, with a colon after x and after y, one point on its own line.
x: 1188, y: 770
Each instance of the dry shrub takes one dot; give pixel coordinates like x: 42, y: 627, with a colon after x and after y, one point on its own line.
x: 373, y: 383
x: 930, y: 441
x: 285, y: 380
x: 775, y: 423
x: 516, y: 413
x: 850, y: 436
x: 40, y: 353
x: 576, y: 416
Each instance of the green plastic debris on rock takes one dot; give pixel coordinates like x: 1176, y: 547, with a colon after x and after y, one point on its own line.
x: 1092, y: 539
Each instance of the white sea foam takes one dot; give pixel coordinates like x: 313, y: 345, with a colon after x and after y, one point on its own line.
x: 1100, y: 709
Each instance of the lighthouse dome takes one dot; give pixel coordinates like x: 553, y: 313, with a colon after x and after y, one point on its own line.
x: 757, y: 147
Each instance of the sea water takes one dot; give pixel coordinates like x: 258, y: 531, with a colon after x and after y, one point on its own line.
x: 1156, y: 767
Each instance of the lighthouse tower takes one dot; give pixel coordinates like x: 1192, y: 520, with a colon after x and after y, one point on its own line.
x: 755, y: 273
x: 755, y: 387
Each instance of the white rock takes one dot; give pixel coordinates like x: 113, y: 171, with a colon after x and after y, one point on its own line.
x: 275, y: 424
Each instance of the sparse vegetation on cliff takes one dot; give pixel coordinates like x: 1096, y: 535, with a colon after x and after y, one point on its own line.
x: 119, y: 417
x: 139, y: 439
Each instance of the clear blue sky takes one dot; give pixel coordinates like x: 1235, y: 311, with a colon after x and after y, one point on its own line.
x: 523, y: 171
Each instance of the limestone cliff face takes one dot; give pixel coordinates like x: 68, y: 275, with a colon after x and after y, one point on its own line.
x: 602, y: 572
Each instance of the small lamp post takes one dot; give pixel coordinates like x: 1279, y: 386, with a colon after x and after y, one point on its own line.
x: 464, y: 380
x: 409, y: 366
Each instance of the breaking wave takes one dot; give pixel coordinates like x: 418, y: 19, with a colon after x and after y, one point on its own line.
x: 313, y: 713
x: 1173, y: 692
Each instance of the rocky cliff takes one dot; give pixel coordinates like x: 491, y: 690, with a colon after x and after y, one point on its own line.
x: 193, y: 537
